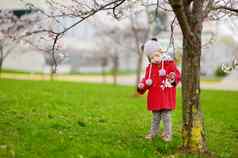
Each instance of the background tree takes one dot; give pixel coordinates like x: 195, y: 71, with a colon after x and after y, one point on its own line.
x: 140, y: 34
x: 12, y: 31
x: 42, y: 43
x: 125, y: 37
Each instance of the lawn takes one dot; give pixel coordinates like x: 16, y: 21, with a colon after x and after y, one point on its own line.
x: 53, y: 119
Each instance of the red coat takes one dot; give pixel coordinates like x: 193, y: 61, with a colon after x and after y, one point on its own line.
x: 159, y: 98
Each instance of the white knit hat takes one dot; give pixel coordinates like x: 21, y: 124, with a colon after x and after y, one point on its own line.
x: 151, y: 46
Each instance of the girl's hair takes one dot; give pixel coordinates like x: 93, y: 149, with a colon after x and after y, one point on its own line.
x: 149, y: 59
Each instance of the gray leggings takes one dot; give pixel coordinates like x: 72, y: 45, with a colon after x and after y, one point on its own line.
x: 165, y: 115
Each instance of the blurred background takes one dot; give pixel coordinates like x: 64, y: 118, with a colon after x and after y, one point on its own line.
x: 104, y: 49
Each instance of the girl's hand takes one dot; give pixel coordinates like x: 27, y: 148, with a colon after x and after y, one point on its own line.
x: 141, y: 85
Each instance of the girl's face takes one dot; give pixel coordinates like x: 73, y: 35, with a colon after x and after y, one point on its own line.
x: 155, y: 58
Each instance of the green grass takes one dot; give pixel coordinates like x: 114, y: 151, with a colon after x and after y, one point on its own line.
x: 20, y: 72
x: 52, y: 119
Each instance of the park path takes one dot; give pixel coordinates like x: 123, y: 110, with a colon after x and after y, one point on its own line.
x: 227, y: 84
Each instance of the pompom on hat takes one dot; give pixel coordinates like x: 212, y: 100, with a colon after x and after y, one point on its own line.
x: 151, y: 46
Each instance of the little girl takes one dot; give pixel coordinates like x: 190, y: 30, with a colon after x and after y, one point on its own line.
x: 160, y: 79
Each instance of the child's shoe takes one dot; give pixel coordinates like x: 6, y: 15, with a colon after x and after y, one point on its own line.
x: 166, y: 137
x: 150, y: 136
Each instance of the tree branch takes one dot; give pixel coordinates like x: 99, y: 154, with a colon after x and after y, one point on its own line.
x: 171, y: 40
x: 178, y: 8
x: 207, y: 8
x: 235, y: 10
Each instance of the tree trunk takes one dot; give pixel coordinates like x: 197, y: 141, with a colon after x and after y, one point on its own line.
x: 52, y: 72
x: 1, y: 60
x: 193, y: 133
x: 139, y: 68
x: 103, y: 65
x: 115, y: 68
x: 190, y: 17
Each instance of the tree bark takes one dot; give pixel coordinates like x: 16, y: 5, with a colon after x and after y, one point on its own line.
x: 193, y: 132
x: 1, y: 60
x: 139, y: 68
x: 103, y: 65
x: 115, y: 68
x: 190, y: 17
x: 52, y: 71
